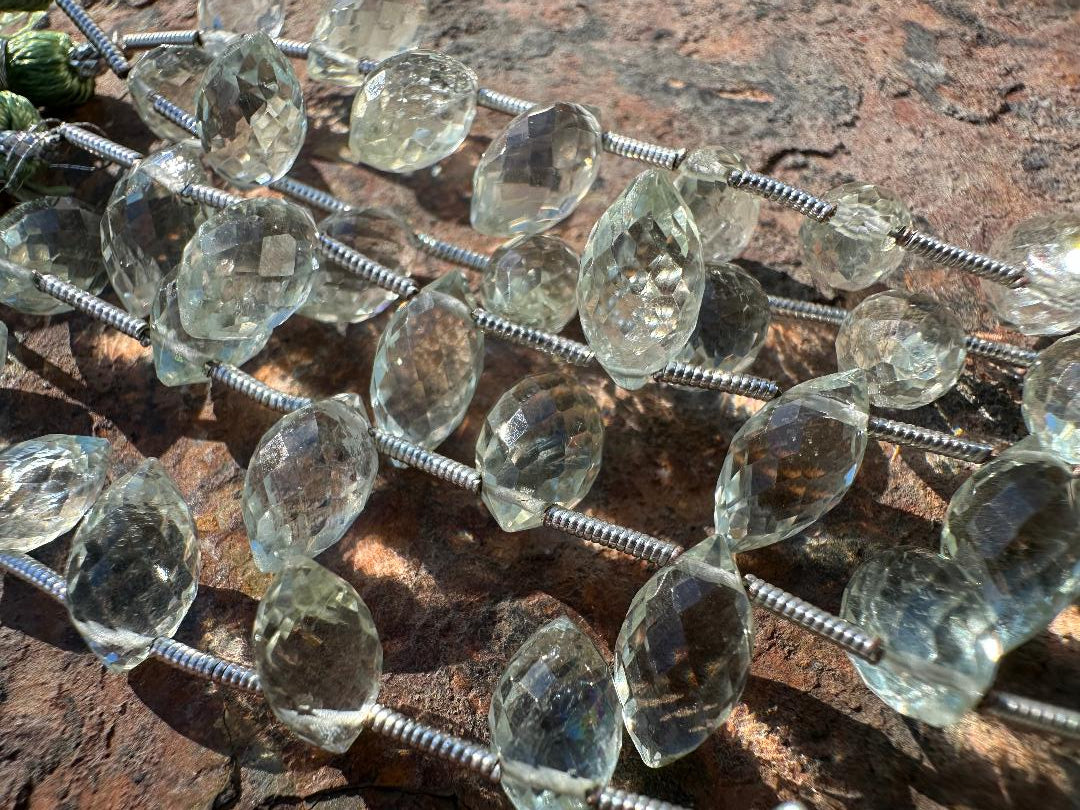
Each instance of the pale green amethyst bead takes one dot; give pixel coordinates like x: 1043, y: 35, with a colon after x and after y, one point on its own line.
x: 941, y: 648
x: 351, y: 30
x: 726, y: 217
x: 46, y: 486
x: 317, y: 654
x: 554, y: 720
x: 733, y: 321
x: 133, y: 569
x: 532, y: 280
x: 174, y: 72
x: 1051, y: 402
x: 642, y: 280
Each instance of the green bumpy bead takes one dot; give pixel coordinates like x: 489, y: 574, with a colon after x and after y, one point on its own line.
x: 17, y: 112
x: 39, y: 67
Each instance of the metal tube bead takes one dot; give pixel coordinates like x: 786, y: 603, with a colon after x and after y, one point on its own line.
x: 293, y: 48
x: 1032, y: 713
x: 443, y: 468
x: 145, y: 40
x: 652, y: 153
x: 501, y: 102
x: 114, y: 58
x: 923, y: 244
x: 244, y: 383
x: 93, y: 306
x: 181, y: 118
x: 449, y: 252
x: 205, y: 665
x: 312, y: 196
x: 367, y: 269
x: 636, y: 544
x: 34, y: 573
x: 933, y: 441
x: 806, y: 310
x: 776, y: 190
x: 810, y: 617
x: 208, y: 195
x: 745, y: 385
x: 1006, y: 352
x: 612, y: 799
x: 98, y: 145
x: 569, y: 350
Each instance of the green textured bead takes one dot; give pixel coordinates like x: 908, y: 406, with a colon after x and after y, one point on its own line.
x: 39, y: 67
x: 16, y: 112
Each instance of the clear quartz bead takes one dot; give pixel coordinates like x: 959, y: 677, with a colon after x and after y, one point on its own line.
x: 133, y: 568
x: 726, y: 217
x: 174, y: 72
x: 536, y: 171
x: 1051, y: 403
x: 793, y: 460
x: 412, y: 111
x: 938, y: 633
x: 351, y: 30
x: 733, y: 321
x: 540, y: 444
x: 318, y: 654
x: 642, y: 280
x: 554, y: 720
x: 910, y: 346
x: 683, y: 654
x: 46, y: 486
x: 242, y: 16
x: 532, y: 280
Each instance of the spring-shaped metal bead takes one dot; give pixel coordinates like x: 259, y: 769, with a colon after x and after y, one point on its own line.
x: 810, y: 617
x: 311, y: 195
x: 944, y: 444
x: 1032, y: 713
x: 569, y: 350
x: 948, y: 255
x: 806, y: 310
x: 205, y: 665
x: 449, y: 252
x: 90, y: 29
x: 612, y: 799
x: 772, y: 189
x: 293, y: 48
x: 1006, y: 352
x: 745, y: 385
x: 93, y: 306
x: 208, y: 195
x: 652, y: 153
x: 100, y: 146
x: 494, y: 100
x: 181, y: 118
x: 636, y: 544
x: 446, y: 469
x: 244, y: 383
x: 364, y: 267
x: 145, y: 40
x: 34, y: 573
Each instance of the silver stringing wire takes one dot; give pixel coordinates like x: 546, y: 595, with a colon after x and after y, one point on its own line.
x: 85, y: 23
x: 923, y: 244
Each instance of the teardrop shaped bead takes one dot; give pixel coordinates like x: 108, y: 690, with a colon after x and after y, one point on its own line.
x: 251, y: 114
x: 793, y: 460
x: 1051, y: 403
x: 173, y: 71
x: 642, y: 280
x: 351, y: 30
x: 733, y: 321
x: 308, y: 479
x: 541, y: 444
x: 318, y: 654
x: 46, y: 485
x: 536, y: 171
x: 555, y: 721
x: 532, y: 280
x: 726, y: 217
x: 683, y: 654
x: 133, y: 568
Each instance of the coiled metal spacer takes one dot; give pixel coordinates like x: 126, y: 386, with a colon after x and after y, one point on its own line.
x: 208, y: 195
x: 145, y: 40
x: 612, y: 799
x: 93, y: 306
x: 806, y: 310
x: 446, y: 469
x: 501, y: 102
x: 183, y: 119
x: 449, y: 252
x: 923, y: 244
x: 1032, y: 713
x: 242, y: 382
x: 112, y: 55
x: 934, y: 441
x: 367, y: 269
x: 210, y: 667
x: 569, y: 350
x: 1006, y: 352
x: 745, y: 385
x: 778, y: 191
x: 652, y: 153
x: 311, y: 195
x: 34, y: 573
x: 293, y: 48
x: 628, y: 541
x: 98, y: 145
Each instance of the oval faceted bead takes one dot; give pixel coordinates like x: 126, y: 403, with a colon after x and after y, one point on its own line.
x: 910, y: 346
x: 792, y: 461
x: 733, y: 321
x: 853, y: 249
x: 46, y: 485
x: 541, y: 444
x: 173, y: 71
x: 683, y: 654
x: 351, y: 30
x: 941, y: 649
x: 1052, y: 398
x: 726, y: 217
x: 318, y: 654
x: 133, y: 568
x: 413, y: 110
x: 251, y: 113
x: 642, y: 280
x: 554, y: 720
x: 247, y: 269
x: 536, y: 171
x: 532, y: 280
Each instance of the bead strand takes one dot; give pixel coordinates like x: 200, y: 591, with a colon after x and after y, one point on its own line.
x: 112, y: 55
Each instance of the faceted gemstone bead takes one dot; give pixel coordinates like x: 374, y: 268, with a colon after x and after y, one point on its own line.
x: 541, y: 444
x: 536, y: 171
x: 242, y: 16
x: 1051, y: 402
x: 339, y: 296
x: 853, y: 249
x: 726, y: 217
x: 642, y: 280
x: 733, y: 321
x: 413, y: 110
x: 532, y: 280
x: 555, y: 721
x: 173, y: 71
x: 308, y: 479
x: 318, y: 654
x: 1048, y: 248
x: 251, y: 112
x: 133, y: 568
x: 46, y: 485
x: 55, y: 235
x: 683, y: 653
x: 910, y: 346
x: 247, y: 269
x: 454, y: 285
x: 938, y: 632
x: 1014, y: 526
x: 793, y: 460
x: 147, y: 224
x: 351, y: 30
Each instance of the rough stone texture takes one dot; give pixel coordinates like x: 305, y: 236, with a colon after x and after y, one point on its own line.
x: 967, y: 108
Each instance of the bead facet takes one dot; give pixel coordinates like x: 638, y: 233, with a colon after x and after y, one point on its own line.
x: 174, y: 72
x: 351, y: 30
x: 726, y: 217
x: 532, y: 280
x: 733, y: 321
x: 1051, y: 402
x: 242, y: 16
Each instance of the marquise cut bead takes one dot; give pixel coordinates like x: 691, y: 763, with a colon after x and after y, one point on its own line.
x: 726, y: 217
x: 351, y: 30
x: 174, y: 72
x: 1051, y: 403
x: 733, y: 321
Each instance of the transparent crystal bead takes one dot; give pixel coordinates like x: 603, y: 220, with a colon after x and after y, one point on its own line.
x: 1051, y: 402
x: 133, y: 568
x: 318, y: 654
x: 853, y: 249
x: 251, y: 112
x: 339, y: 296
x: 726, y: 217
x: 247, y: 269
x: 242, y: 16
x: 308, y: 479
x: 413, y: 110
x: 173, y: 71
x: 683, y: 654
x: 938, y: 632
x: 536, y: 171
x: 733, y: 321
x: 147, y: 224
x: 554, y: 720
x: 532, y: 280
x: 642, y: 280
x: 351, y: 30
x: 46, y: 485
x: 1048, y: 248
x: 793, y: 460
x: 56, y: 235
x: 541, y: 444
x: 910, y: 346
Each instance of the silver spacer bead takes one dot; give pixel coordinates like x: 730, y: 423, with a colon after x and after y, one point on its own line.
x: 569, y: 350
x: 1006, y: 352
x: 934, y: 441
x: 772, y: 189
x: 93, y: 306
x: 449, y: 252
x: 699, y: 377
x: 145, y: 40
x: 446, y: 469
x: 172, y: 112
x: 98, y: 145
x: 367, y: 269
x: 212, y: 668
x: 34, y: 573
x: 244, y: 383
x: 1032, y: 713
x: 612, y: 799
x: 501, y: 102
x: 311, y: 195
x: 628, y: 541
x: 623, y: 145
x: 208, y: 195
x: 293, y: 48
x: 943, y: 253
x: 806, y: 310
x: 90, y: 29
